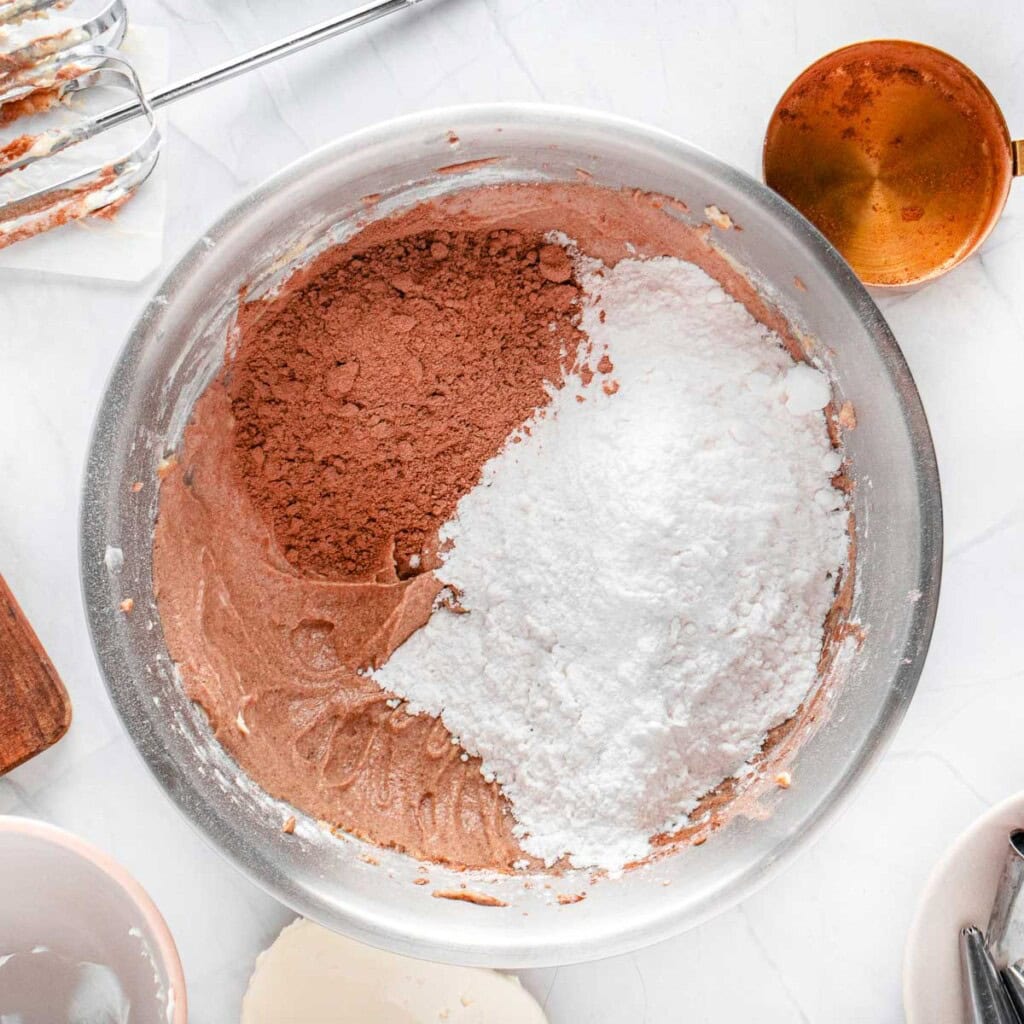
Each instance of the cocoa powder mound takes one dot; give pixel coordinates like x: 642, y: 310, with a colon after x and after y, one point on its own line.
x: 368, y: 397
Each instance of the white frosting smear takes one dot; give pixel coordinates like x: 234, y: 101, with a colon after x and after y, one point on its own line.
x: 313, y: 976
x: 645, y: 570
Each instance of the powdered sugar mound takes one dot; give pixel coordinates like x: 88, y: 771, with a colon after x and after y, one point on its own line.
x: 646, y: 572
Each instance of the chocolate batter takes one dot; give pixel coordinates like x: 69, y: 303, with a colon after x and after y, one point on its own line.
x: 299, y: 524
x: 298, y: 527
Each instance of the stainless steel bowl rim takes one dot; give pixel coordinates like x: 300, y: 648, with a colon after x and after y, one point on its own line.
x: 366, y: 927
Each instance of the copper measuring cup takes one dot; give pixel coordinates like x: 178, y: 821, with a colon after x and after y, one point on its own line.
x: 898, y: 153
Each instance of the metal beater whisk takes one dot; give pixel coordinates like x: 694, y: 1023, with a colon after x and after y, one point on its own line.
x: 38, y: 74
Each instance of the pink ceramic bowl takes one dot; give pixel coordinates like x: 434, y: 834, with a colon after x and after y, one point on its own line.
x: 71, y: 916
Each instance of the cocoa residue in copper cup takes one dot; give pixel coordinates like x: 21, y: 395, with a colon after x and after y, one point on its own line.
x: 898, y: 153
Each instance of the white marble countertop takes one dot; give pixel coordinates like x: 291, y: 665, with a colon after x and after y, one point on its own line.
x: 822, y: 942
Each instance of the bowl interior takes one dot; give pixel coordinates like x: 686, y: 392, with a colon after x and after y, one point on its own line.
x: 73, y: 922
x: 179, y: 343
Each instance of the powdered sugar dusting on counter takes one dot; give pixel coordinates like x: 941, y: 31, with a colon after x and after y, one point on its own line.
x: 642, y: 574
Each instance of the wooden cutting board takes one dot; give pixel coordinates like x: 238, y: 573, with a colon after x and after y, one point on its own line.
x: 34, y: 707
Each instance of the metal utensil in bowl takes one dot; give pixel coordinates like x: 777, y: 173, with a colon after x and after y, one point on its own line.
x: 178, y: 344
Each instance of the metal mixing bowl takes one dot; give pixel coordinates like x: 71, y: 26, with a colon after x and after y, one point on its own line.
x: 178, y: 344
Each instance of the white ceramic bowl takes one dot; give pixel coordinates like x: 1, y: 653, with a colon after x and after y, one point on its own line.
x: 959, y: 892
x: 61, y: 897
